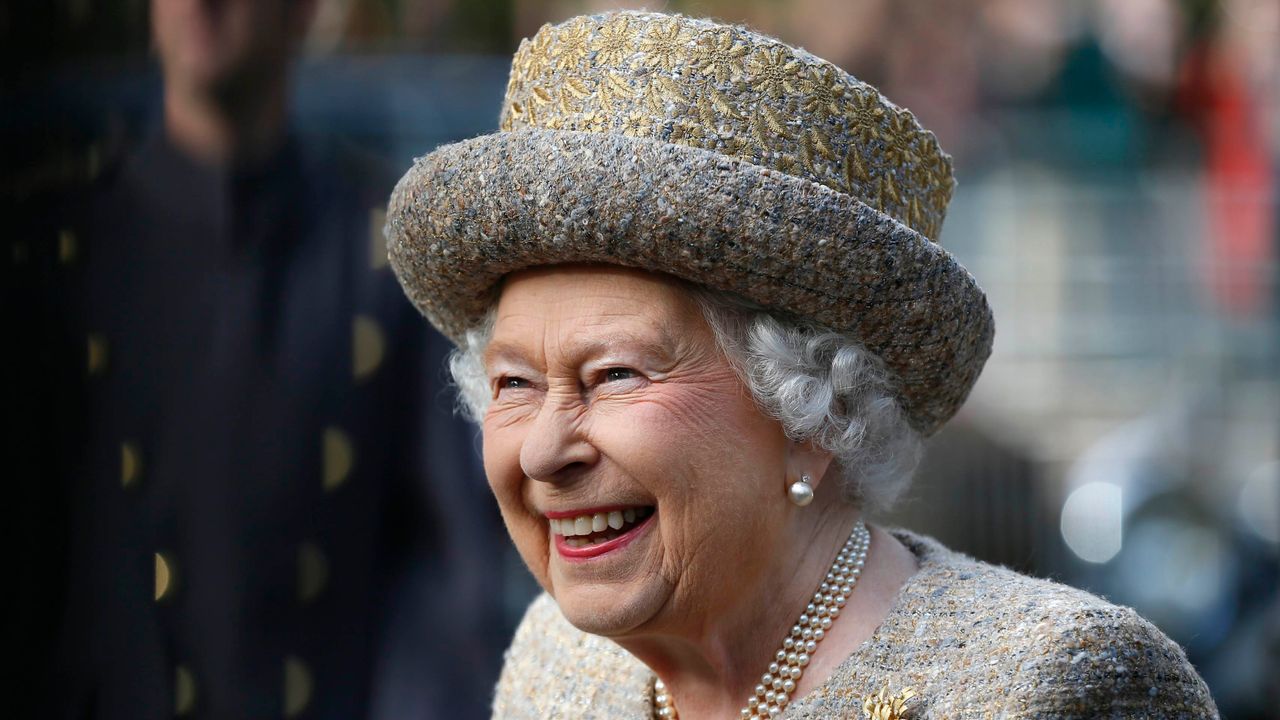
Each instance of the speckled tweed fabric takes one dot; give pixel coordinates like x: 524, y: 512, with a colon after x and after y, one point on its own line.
x: 974, y: 640
x: 717, y: 155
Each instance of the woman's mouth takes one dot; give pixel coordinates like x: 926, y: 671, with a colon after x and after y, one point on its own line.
x: 590, y: 534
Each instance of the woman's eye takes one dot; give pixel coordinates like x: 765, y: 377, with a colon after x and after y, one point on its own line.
x: 512, y: 383
x: 618, y: 373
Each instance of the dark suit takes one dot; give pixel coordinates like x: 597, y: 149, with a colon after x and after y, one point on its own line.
x: 258, y: 456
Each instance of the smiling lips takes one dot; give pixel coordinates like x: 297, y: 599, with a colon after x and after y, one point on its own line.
x: 591, y: 534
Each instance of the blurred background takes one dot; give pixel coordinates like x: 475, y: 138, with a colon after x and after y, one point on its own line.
x: 198, y: 185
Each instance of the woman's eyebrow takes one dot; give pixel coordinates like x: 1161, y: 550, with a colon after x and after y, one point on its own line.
x: 658, y: 344
x: 659, y: 347
x: 500, y: 350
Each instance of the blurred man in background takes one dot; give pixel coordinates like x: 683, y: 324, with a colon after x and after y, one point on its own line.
x: 226, y: 72
x: 257, y: 484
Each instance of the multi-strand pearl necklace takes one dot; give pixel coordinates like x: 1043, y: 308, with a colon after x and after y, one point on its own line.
x: 776, y: 686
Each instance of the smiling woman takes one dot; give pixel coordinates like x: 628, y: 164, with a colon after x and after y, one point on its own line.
x: 625, y: 401
x: 704, y: 341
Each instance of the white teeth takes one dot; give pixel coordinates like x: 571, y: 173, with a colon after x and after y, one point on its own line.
x: 596, y: 523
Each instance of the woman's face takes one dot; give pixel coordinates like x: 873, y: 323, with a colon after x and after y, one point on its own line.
x: 636, y: 476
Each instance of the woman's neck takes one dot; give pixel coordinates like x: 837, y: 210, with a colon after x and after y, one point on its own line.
x: 711, y: 665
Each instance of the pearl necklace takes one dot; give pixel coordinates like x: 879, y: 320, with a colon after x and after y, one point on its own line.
x: 776, y: 686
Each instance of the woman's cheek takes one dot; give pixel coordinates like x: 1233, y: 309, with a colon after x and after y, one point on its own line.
x: 501, y: 455
x: 683, y: 411
x: 506, y: 479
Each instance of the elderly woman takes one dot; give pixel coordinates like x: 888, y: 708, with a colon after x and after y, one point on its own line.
x: 703, y: 319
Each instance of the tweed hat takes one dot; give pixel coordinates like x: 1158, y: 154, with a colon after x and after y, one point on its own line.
x: 715, y: 154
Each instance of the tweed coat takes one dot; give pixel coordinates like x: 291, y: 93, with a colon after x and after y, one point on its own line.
x: 973, y: 640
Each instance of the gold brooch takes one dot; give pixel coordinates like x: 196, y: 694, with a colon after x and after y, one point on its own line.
x: 885, y: 706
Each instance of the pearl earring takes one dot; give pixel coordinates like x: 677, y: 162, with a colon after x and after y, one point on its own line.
x: 801, y: 491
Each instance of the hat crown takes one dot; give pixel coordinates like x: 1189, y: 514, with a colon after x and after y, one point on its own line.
x: 735, y: 92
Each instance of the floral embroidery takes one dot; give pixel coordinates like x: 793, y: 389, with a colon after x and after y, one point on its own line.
x: 689, y: 133
x: 855, y: 171
x: 575, y: 87
x: 614, y: 92
x: 711, y: 101
x: 573, y: 42
x: 512, y: 114
x: 522, y: 66
x: 914, y: 214
x: 735, y: 146
x: 593, y: 122
x: 662, y: 96
x: 540, y: 94
x: 669, y: 79
x: 541, y: 41
x: 664, y: 45
x: 813, y: 145
x: 901, y: 123
x: 823, y: 94
x: 718, y: 56
x: 865, y: 116
x: 887, y: 192
x: 723, y: 104
x: 774, y: 72
x: 787, y: 164
x: 515, y: 83
x: 898, y: 153
x: 939, y: 193
x: 637, y: 125
x: 615, y: 41
x: 572, y: 92
x: 775, y: 122
x: 767, y: 129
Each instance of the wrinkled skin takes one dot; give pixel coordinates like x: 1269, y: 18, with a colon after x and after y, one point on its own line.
x: 609, y: 389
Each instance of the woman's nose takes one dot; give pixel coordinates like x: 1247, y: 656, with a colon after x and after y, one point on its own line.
x: 556, y: 447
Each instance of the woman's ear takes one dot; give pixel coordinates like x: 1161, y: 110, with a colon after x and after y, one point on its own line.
x: 807, y: 458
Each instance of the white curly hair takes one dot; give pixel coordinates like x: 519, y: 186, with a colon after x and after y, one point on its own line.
x: 821, y: 385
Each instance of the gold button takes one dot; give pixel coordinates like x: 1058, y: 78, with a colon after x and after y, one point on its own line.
x: 377, y: 240
x: 368, y: 345
x: 313, y: 572
x: 184, y: 691
x: 297, y: 686
x: 339, y: 458
x: 98, y: 350
x: 166, y: 578
x: 66, y: 247
x: 130, y: 464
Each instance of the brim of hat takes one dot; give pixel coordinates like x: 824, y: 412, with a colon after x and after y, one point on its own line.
x: 472, y: 212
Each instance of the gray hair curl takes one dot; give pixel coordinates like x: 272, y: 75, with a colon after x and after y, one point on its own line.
x: 823, y: 387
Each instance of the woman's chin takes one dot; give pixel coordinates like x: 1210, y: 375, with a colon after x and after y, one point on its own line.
x: 611, y: 586
x: 609, y: 598
x: 611, y: 610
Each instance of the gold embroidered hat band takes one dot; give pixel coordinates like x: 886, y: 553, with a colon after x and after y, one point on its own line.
x: 718, y: 155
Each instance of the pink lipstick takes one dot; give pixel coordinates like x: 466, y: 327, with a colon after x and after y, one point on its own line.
x: 586, y: 534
